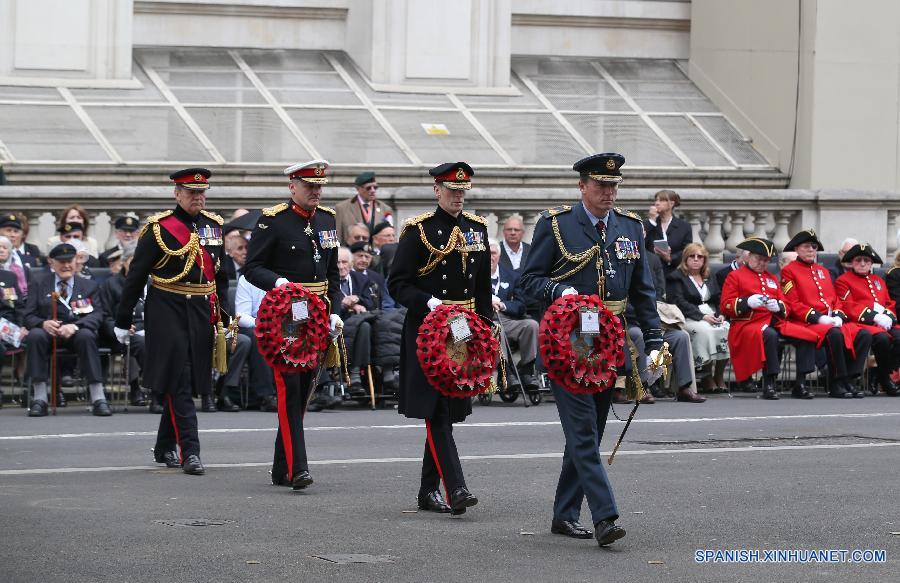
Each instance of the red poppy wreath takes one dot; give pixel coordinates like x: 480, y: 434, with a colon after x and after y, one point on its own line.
x: 289, y: 345
x: 457, y: 369
x: 581, y: 364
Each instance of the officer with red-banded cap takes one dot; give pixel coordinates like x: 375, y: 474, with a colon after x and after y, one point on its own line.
x: 180, y: 251
x: 296, y: 241
x: 422, y: 279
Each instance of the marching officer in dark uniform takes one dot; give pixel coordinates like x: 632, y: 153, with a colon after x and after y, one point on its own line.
x: 591, y: 247
x: 180, y: 250
x: 442, y: 257
x: 296, y: 241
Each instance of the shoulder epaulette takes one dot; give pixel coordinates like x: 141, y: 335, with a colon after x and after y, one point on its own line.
x: 153, y: 219
x: 476, y: 218
x: 889, y: 270
x: 327, y: 209
x: 274, y: 210
x: 557, y: 210
x: 413, y: 221
x: 213, y: 217
x: 629, y: 214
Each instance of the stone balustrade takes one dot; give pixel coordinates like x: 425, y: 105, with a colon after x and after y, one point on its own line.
x: 721, y: 218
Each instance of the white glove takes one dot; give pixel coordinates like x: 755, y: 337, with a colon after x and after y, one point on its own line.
x: 884, y: 321
x: 837, y: 322
x: 495, y: 299
x: 826, y: 320
x: 433, y: 303
x: 653, y: 375
x: 756, y: 301
x: 122, y: 335
x: 568, y: 292
x: 281, y: 281
x: 773, y: 305
x: 337, y: 325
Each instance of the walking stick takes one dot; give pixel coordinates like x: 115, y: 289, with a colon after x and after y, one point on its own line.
x: 508, y: 351
x: 371, y: 386
x: 54, y: 296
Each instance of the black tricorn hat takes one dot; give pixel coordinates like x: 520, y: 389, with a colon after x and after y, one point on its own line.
x: 804, y: 236
x: 758, y: 246
x: 861, y: 250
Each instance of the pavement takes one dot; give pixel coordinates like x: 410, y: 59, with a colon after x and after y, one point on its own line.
x: 81, y: 500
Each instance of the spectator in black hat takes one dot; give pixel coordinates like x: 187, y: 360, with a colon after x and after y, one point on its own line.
x: 360, y: 262
x: 126, y: 228
x: 78, y: 319
x: 75, y: 214
x: 14, y: 227
x: 363, y: 208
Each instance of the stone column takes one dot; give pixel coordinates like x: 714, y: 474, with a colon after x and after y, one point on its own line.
x: 737, y: 230
x: 695, y: 218
x: 893, y: 240
x: 782, y: 236
x: 715, y: 244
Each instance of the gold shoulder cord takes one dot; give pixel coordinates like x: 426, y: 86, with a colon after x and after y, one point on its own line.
x: 580, y: 259
x: 191, y: 249
x: 438, y: 254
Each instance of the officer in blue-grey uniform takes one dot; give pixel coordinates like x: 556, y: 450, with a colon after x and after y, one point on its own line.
x: 617, y: 270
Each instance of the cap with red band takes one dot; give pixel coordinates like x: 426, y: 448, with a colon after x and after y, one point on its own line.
x: 453, y: 175
x: 312, y: 171
x: 192, y: 178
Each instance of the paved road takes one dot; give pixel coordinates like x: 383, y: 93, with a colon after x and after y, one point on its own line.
x: 82, y: 502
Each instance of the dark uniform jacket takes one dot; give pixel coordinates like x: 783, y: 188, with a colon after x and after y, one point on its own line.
x: 280, y: 247
x: 361, y: 288
x: 103, y: 260
x: 505, y: 261
x: 11, y: 300
x: 32, y: 256
x: 509, y: 291
x: 449, y: 278
x: 679, y: 234
x: 111, y: 294
x: 85, y: 307
x: 548, y: 272
x: 177, y: 326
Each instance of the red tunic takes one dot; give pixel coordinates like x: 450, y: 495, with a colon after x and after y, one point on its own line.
x: 809, y: 294
x: 745, y: 337
x: 859, y: 294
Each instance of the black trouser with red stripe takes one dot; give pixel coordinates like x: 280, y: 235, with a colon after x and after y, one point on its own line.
x: 178, y: 424
x: 441, y: 460
x: 840, y: 363
x: 292, y: 391
x: 886, y: 348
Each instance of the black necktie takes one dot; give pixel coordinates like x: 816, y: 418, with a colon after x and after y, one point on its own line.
x: 345, y: 286
x: 63, y: 289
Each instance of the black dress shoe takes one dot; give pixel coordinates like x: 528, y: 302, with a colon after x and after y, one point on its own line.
x: 570, y: 528
x: 137, y: 399
x: 37, y: 409
x: 268, y: 405
x: 800, y: 391
x: 839, y: 390
x: 433, y: 502
x: 170, y: 458
x: 61, y: 399
x: 301, y: 480
x: 460, y: 499
x: 227, y: 405
x: 100, y: 408
x: 207, y: 404
x: 193, y: 466
x: 689, y: 396
x: 155, y: 405
x: 855, y: 390
x: 606, y: 532
x: 770, y: 393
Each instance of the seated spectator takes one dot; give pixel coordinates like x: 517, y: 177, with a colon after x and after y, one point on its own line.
x: 262, y: 381
x: 114, y: 261
x: 786, y: 257
x: 668, y: 237
x: 235, y: 256
x: 11, y: 262
x: 79, y: 315
x: 111, y: 295
x: 364, y: 207
x: 83, y: 261
x: 865, y: 300
x: 691, y: 289
x: 358, y: 233
x: 126, y: 228
x: 383, y: 237
x: 813, y: 306
x: 11, y: 301
x: 228, y: 384
x: 356, y: 303
x: 13, y: 227
x: 513, y: 250
x: 75, y: 214
x: 892, y: 278
x: 361, y: 259
x: 509, y: 307
x: 753, y: 301
x: 740, y: 259
x: 841, y: 266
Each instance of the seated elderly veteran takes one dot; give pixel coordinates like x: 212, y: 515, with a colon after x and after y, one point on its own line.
x: 866, y: 301
x: 508, y: 302
x: 79, y: 314
x: 753, y: 302
x: 356, y: 302
x: 813, y: 305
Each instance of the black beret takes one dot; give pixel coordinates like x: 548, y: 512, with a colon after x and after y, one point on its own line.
x: 62, y: 252
x: 364, y: 178
x: 127, y: 223
x: 69, y: 227
x: 603, y: 167
x: 861, y: 250
x: 381, y: 226
x: 758, y: 245
x: 361, y: 246
x: 10, y: 220
x: 114, y: 255
x: 805, y: 236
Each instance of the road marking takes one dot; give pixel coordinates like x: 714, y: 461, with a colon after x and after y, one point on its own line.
x: 458, y: 427
x: 418, y: 459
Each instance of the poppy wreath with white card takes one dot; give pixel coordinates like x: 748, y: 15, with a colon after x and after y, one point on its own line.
x: 292, y: 328
x: 457, y: 350
x: 581, y: 344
